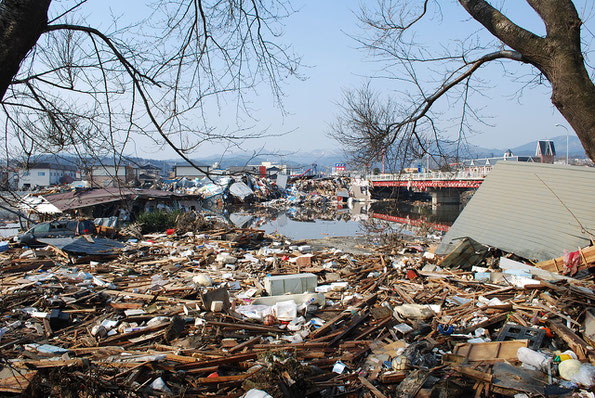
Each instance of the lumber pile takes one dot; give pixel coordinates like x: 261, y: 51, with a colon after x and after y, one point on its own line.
x: 193, y: 315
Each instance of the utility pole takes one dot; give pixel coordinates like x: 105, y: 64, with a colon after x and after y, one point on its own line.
x: 565, y: 128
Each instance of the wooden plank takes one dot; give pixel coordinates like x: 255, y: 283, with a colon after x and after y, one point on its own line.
x: 411, y: 385
x: 46, y: 363
x: 355, y: 323
x: 245, y: 344
x: 219, y: 361
x: 509, y: 379
x: 473, y: 373
x: 392, y: 377
x: 19, y: 382
x: 227, y: 379
x: 149, y: 297
x: 494, y: 351
x: 576, y: 344
x: 557, y: 264
x: 246, y: 326
x: 332, y: 323
x: 377, y: 393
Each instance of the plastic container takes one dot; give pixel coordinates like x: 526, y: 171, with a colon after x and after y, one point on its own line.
x: 575, y: 371
x: 286, y: 310
x: 533, y: 358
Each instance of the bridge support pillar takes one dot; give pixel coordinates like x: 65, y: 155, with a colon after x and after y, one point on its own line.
x: 445, y: 196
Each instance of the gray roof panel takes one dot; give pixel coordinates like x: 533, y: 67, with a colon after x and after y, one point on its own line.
x: 529, y: 209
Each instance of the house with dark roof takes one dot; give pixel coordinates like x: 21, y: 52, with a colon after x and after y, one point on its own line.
x: 149, y: 174
x: 546, y: 151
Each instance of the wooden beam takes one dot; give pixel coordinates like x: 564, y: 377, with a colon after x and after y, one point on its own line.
x: 371, y: 387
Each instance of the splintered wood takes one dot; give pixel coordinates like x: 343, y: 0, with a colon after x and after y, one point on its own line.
x: 193, y: 315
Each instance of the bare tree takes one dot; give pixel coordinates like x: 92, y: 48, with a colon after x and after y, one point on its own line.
x: 67, y: 86
x: 440, y: 77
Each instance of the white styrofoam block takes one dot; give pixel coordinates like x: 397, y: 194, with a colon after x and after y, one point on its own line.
x: 296, y: 283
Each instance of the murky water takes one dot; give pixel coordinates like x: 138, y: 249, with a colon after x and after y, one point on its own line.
x: 357, y: 219
x: 314, y: 229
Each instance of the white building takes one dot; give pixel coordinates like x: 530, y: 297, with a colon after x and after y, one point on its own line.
x: 112, y: 176
x: 45, y: 174
x: 188, y: 171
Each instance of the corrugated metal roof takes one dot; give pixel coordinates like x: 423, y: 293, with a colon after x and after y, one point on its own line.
x: 515, y: 211
x: 83, y: 198
x: 80, y: 245
x: 38, y: 204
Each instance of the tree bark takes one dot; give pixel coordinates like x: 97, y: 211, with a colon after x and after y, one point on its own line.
x: 558, y: 56
x: 21, y: 24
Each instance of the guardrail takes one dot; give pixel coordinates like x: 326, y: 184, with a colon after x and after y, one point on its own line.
x: 434, y: 176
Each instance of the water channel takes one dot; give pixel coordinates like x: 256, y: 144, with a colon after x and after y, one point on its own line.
x: 355, y: 219
x: 358, y: 219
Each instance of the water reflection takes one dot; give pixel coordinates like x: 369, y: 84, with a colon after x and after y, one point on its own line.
x: 437, y: 218
x: 298, y: 222
x: 359, y: 218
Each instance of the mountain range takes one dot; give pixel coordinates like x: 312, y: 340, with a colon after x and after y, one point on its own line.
x: 575, y: 148
x: 326, y: 158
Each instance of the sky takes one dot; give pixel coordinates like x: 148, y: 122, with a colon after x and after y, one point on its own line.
x: 320, y: 32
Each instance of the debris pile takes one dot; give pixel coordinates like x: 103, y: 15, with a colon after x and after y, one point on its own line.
x: 246, y: 188
x: 234, y: 312
x: 324, y: 186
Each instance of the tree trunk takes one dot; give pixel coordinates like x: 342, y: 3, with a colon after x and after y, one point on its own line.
x: 573, y: 93
x: 558, y: 56
x: 21, y: 24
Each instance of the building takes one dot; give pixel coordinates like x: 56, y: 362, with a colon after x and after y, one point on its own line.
x: 239, y: 170
x: 106, y: 202
x: 339, y: 169
x: 9, y: 178
x: 113, y: 176
x: 188, y: 171
x: 45, y: 174
x: 546, y: 151
x: 149, y: 174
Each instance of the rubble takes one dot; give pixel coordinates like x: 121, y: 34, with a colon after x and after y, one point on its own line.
x: 234, y: 312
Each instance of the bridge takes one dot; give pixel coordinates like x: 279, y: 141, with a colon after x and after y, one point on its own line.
x: 444, y: 186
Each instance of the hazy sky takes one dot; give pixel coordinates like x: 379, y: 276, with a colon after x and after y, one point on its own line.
x: 319, y: 30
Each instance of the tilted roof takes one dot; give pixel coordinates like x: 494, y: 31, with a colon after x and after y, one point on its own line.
x: 534, y: 210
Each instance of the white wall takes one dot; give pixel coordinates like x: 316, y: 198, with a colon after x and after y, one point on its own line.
x: 34, y: 177
x: 109, y: 171
x: 189, y: 171
x: 42, y: 177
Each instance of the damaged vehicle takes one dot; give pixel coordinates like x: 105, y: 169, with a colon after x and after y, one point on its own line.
x: 55, y: 229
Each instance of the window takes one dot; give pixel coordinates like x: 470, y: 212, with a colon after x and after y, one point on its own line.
x: 41, y: 228
x: 41, y: 173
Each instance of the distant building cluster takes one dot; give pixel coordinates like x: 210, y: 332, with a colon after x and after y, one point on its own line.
x: 39, y: 175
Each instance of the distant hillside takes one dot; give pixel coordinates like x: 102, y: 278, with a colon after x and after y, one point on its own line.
x: 575, y: 148
x: 326, y: 158
x: 323, y: 158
